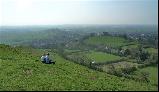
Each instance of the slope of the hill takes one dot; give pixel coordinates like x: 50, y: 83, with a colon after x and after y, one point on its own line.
x: 21, y: 69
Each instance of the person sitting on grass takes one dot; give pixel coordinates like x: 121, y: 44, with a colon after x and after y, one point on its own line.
x: 43, y: 58
x: 48, y: 60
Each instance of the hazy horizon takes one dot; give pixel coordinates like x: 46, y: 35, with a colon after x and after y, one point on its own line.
x: 78, y: 12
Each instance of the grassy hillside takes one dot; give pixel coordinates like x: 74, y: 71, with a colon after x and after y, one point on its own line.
x: 21, y: 70
x: 152, y: 71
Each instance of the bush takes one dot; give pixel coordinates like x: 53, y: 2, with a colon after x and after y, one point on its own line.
x: 128, y: 70
x: 114, y: 71
x: 127, y: 52
x: 144, y: 55
x: 144, y: 76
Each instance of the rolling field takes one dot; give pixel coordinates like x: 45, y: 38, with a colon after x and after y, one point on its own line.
x: 130, y: 46
x: 72, y: 51
x: 152, y: 50
x: 118, y: 66
x: 102, y: 57
x: 21, y: 69
x: 107, y: 40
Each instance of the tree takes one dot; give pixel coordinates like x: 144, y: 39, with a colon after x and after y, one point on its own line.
x: 92, y: 34
x: 145, y: 76
x: 144, y: 55
x: 127, y: 52
x: 124, y: 36
x: 105, y: 33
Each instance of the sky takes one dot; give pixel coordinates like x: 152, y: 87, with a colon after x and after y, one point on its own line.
x: 55, y: 12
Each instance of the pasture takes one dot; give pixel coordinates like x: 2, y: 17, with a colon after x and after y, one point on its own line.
x: 102, y: 57
x: 109, y: 41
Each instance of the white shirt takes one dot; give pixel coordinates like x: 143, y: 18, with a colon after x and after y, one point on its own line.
x: 47, y: 58
x: 42, y: 58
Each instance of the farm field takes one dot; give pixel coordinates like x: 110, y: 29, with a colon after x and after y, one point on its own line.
x: 72, y: 51
x: 152, y: 50
x: 107, y: 40
x: 118, y: 66
x: 133, y: 46
x: 102, y: 57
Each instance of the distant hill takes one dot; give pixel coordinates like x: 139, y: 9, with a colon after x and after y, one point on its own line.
x: 45, y: 36
x: 39, y: 38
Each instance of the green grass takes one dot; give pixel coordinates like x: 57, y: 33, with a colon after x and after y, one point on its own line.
x: 153, y: 74
x: 119, y: 65
x: 152, y: 50
x: 102, y: 57
x: 67, y: 50
x: 25, y: 72
x: 107, y: 40
x: 130, y: 46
